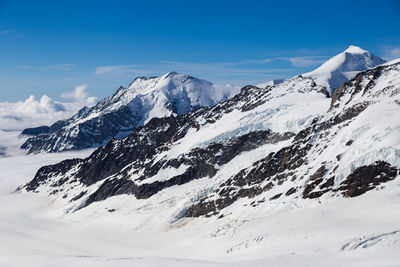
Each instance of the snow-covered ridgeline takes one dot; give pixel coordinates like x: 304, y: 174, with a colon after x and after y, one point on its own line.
x: 128, y: 108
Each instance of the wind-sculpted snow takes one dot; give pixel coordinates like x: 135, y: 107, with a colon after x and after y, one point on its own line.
x: 128, y: 108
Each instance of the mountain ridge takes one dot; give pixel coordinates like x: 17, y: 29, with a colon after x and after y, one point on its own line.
x: 126, y: 109
x: 172, y: 93
x: 222, y: 158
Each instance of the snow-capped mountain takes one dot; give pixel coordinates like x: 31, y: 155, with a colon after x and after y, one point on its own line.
x: 146, y: 98
x: 343, y: 67
x: 259, y: 149
x: 128, y: 108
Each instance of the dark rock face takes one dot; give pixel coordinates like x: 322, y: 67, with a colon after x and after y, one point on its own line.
x: 366, y: 178
x: 91, y: 133
x: 44, y: 174
x: 362, y: 180
x: 36, y: 131
x: 140, y: 147
x: 314, y: 181
x: 356, y: 85
x: 271, y: 169
x: 107, y: 161
x: 202, y: 162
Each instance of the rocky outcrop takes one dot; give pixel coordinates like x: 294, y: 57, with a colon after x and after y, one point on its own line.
x: 366, y: 178
x: 36, y: 131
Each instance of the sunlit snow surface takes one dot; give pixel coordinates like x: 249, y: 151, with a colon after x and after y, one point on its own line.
x: 339, y: 232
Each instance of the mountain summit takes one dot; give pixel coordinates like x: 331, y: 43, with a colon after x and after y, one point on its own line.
x: 128, y: 108
x: 343, y: 67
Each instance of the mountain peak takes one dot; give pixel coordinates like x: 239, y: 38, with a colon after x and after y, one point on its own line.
x: 171, y: 74
x: 343, y: 67
x: 152, y: 79
x: 355, y: 50
x: 128, y: 108
x: 167, y: 83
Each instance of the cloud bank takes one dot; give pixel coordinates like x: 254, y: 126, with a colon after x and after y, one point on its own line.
x: 79, y: 95
x: 34, y: 112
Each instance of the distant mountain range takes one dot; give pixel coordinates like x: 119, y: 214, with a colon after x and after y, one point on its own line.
x: 261, y: 148
x: 171, y: 94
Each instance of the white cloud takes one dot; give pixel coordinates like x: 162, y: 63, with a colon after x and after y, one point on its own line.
x: 34, y: 112
x: 306, y: 61
x: 4, y: 32
x: 117, y: 69
x: 81, y: 96
x: 44, y: 105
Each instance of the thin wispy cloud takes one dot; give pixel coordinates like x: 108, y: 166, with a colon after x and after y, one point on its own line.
x: 11, y: 33
x: 258, y: 61
x: 391, y: 52
x: 119, y: 69
x: 243, y: 66
x: 63, y: 67
x: 80, y: 95
x: 304, y: 61
x: 246, y: 71
x: 217, y: 71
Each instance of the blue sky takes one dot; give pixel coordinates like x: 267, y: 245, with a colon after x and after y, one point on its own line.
x: 50, y: 47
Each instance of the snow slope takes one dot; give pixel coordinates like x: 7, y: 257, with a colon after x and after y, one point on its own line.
x: 344, y: 67
x: 338, y: 232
